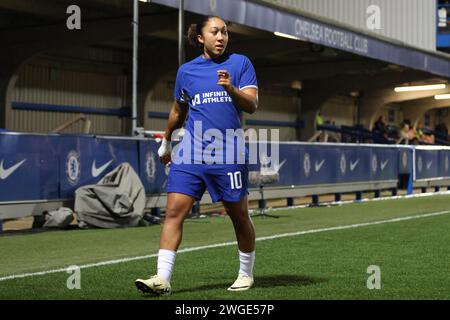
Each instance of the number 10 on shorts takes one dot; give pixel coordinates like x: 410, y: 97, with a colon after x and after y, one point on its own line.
x: 235, y: 179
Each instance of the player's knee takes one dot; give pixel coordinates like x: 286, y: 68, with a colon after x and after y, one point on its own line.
x: 174, y: 214
x: 240, y: 216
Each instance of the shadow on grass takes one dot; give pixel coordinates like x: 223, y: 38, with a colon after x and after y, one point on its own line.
x: 263, y: 282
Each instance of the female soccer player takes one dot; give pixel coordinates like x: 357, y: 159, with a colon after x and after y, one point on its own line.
x: 214, y: 88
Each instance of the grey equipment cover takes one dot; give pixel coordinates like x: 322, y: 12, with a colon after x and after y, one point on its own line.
x: 118, y: 200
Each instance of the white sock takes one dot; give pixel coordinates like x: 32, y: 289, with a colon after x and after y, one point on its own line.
x: 166, y: 260
x: 246, y: 261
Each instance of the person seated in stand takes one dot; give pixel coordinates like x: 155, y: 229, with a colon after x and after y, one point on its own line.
x: 380, y: 127
x: 407, y: 121
x: 393, y: 132
x: 406, y: 133
x: 423, y: 137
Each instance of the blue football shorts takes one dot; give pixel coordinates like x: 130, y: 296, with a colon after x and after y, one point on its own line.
x: 224, y: 182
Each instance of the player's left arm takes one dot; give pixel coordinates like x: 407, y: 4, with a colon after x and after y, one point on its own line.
x: 245, y: 99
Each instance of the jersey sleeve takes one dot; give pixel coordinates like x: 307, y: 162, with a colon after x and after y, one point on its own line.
x: 248, y: 76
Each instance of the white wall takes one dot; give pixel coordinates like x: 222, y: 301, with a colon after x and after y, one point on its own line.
x: 409, y: 21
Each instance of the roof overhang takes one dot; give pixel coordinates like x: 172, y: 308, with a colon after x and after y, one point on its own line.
x: 320, y: 31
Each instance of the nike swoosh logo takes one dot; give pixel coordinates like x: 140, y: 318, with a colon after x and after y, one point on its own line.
x: 98, y: 171
x: 240, y: 287
x: 384, y: 164
x: 278, y: 167
x: 353, y: 165
x: 5, y: 173
x: 275, y: 170
x: 429, y: 164
x: 319, y: 165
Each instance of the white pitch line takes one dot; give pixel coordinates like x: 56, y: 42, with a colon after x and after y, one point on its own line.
x: 342, y: 202
x: 225, y: 244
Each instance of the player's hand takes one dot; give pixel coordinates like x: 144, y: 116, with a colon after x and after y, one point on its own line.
x: 165, y: 151
x: 224, y: 79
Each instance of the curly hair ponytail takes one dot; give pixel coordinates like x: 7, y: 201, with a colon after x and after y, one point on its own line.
x: 195, y: 30
x: 192, y: 34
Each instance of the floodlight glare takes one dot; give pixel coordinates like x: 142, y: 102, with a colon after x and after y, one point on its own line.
x: 421, y: 88
x: 285, y: 35
x: 442, y: 96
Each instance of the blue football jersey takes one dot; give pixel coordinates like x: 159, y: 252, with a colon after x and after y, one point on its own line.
x: 211, y: 109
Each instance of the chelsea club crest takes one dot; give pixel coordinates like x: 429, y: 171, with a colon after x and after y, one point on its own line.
x: 150, y: 166
x: 306, y: 164
x: 73, y: 167
x: 343, y: 164
x: 374, y: 164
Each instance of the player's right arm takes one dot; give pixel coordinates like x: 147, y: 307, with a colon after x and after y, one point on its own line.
x: 177, y: 116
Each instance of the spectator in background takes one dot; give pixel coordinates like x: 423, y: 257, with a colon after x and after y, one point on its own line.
x: 423, y: 137
x: 319, y: 120
x: 418, y: 131
x: 429, y: 138
x: 380, y: 125
x: 380, y: 128
x: 406, y: 133
x: 320, y: 135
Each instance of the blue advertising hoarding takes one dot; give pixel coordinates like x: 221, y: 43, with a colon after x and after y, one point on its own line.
x: 86, y: 160
x: 444, y: 163
x: 153, y: 173
x: 316, y: 164
x: 427, y: 164
x: 28, y: 167
x: 43, y: 167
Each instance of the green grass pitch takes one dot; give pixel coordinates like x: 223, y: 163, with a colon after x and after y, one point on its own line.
x: 413, y: 257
